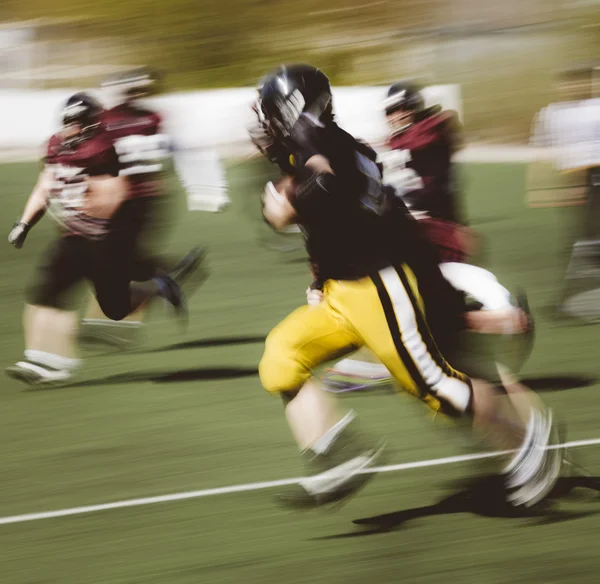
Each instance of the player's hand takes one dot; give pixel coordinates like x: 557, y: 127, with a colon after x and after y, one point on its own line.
x: 314, y: 297
x: 18, y: 234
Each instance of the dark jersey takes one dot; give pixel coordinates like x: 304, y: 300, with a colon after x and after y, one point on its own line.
x: 70, y: 168
x: 353, y: 230
x: 141, y: 147
x: 343, y: 237
x: 426, y: 148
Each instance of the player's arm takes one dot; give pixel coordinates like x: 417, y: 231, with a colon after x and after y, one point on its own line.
x: 34, y: 209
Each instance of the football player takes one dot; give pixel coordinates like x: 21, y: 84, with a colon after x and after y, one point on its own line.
x: 82, y: 187
x: 378, y: 283
x: 419, y: 166
x: 143, y: 149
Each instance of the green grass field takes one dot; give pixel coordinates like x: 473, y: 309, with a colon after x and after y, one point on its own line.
x: 186, y: 412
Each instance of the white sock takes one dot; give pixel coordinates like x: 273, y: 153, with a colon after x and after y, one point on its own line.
x: 322, y: 445
x: 51, y: 360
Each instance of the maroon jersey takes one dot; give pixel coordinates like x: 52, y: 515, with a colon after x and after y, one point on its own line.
x: 426, y: 148
x: 140, y: 146
x: 446, y: 238
x: 71, y: 167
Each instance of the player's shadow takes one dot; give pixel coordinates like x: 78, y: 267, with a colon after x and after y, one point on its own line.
x: 197, y: 374
x: 484, y: 497
x: 214, y: 342
x: 559, y: 382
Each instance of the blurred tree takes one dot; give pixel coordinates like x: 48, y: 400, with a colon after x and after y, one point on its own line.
x: 506, y: 75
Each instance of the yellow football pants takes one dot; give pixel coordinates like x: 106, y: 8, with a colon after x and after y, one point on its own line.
x: 385, y: 313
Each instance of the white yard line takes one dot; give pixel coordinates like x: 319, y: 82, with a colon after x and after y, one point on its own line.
x: 253, y: 487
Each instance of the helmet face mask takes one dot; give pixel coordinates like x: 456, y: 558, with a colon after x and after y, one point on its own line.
x: 291, y: 91
x: 281, y: 111
x: 81, y: 119
x: 70, y: 132
x: 399, y: 120
x: 401, y: 106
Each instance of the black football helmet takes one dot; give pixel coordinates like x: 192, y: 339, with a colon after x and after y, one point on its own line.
x: 134, y: 84
x: 81, y: 109
x: 402, y: 97
x: 289, y: 92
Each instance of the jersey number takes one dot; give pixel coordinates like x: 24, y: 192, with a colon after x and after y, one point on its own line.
x: 140, y: 154
x: 70, y: 186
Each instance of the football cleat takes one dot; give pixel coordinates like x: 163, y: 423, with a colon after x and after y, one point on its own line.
x: 171, y: 291
x: 535, y: 469
x: 121, y: 334
x: 38, y: 375
x: 170, y: 283
x: 188, y: 264
x: 333, y: 476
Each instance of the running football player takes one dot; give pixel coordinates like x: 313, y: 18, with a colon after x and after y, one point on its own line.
x: 378, y: 283
x: 143, y: 150
x: 81, y: 186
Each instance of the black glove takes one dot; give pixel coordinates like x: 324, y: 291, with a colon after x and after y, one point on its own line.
x: 18, y: 234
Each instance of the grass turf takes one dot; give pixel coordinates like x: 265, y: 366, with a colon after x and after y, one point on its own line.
x: 186, y: 412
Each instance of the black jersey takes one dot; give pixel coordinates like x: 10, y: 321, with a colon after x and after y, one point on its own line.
x: 346, y: 229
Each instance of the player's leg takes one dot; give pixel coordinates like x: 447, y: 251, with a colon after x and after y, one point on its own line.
x: 118, y: 296
x: 114, y: 269
x: 388, y: 312
x: 137, y: 217
x: 499, y: 315
x: 50, y: 323
x: 333, y: 447
x: 96, y: 327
